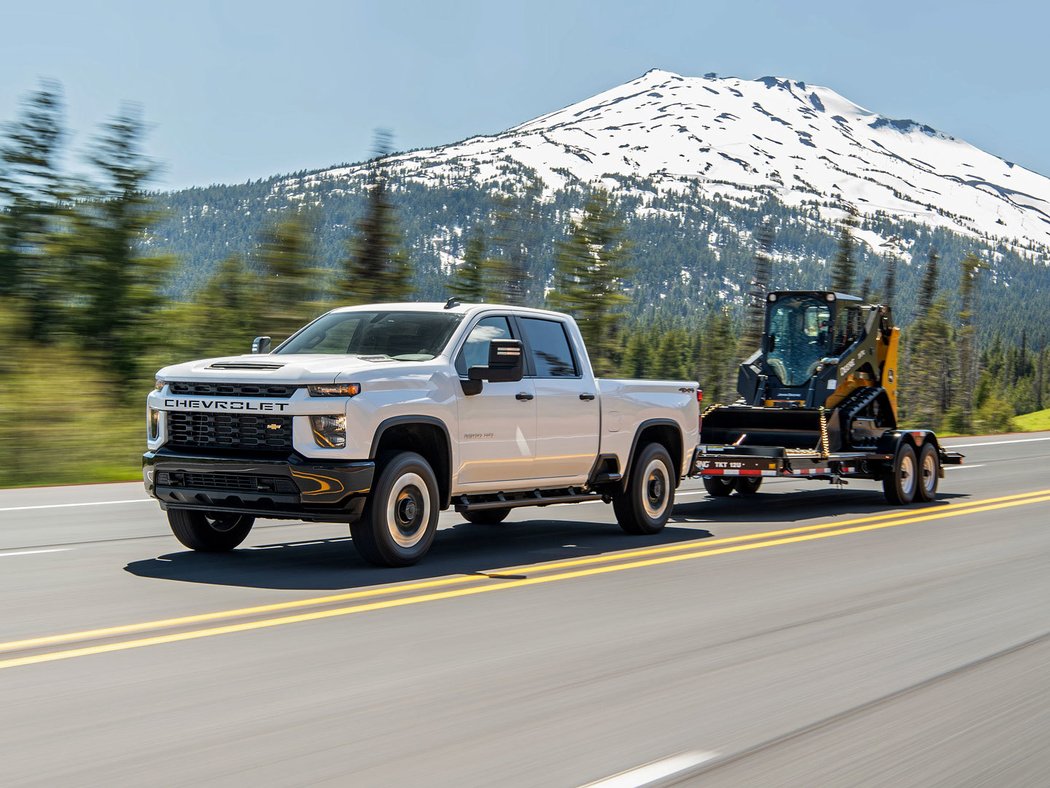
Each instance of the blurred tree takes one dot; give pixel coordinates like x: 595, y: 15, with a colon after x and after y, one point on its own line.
x: 971, y: 268
x: 844, y: 267
x: 718, y: 368
x: 471, y: 279
x: 637, y: 356
x: 377, y: 268
x: 889, y: 285
x: 515, y: 236
x: 751, y: 339
x: 121, y: 289
x: 229, y: 306
x: 289, y: 286
x: 588, y: 278
x: 928, y: 289
x: 33, y: 198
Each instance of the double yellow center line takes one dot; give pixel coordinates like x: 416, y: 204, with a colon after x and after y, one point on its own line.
x: 417, y: 592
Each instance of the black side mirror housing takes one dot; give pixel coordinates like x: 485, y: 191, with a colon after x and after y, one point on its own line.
x: 506, y: 363
x: 261, y: 345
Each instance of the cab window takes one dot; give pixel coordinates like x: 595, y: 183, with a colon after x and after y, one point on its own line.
x: 549, y: 348
x: 475, y: 351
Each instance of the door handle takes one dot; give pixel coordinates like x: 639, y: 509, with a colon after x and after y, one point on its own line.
x: 524, y: 396
x: 587, y: 396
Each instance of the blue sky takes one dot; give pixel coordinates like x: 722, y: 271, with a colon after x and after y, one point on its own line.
x: 244, y: 90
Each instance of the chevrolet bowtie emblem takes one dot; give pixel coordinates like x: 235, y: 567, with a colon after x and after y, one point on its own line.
x: 273, y: 426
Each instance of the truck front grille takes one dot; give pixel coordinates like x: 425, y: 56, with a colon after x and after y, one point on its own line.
x: 229, y: 431
x: 240, y: 482
x: 232, y: 389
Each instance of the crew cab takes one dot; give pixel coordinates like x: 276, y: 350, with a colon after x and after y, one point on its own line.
x: 381, y: 416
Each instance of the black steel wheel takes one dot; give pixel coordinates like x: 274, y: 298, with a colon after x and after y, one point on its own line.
x: 209, y: 532
x: 747, y: 485
x: 718, y: 486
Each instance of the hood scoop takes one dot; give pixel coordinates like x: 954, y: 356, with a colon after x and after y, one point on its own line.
x: 243, y: 365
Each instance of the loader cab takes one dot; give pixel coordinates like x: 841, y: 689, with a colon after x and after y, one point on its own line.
x: 802, y: 329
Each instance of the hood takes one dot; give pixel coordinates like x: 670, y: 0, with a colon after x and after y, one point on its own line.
x: 291, y: 369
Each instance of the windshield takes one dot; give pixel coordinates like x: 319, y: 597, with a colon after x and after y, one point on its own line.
x: 799, y: 326
x: 402, y: 336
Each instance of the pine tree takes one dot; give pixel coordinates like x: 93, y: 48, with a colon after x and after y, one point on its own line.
x: 470, y: 280
x: 34, y: 196
x: 759, y: 288
x: 515, y: 236
x: 229, y: 306
x: 845, y: 267
x: 637, y: 356
x: 928, y: 290
x: 971, y: 268
x: 377, y: 269
x: 889, y: 286
x: 717, y: 367
x: 121, y: 288
x: 588, y: 277
x: 289, y: 280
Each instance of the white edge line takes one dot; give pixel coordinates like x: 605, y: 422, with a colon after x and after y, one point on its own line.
x: 963, y: 467
x: 31, y: 552
x: 651, y: 772
x: 67, y: 505
x: 992, y: 443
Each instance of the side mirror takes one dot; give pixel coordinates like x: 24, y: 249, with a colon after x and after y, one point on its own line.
x: 261, y: 345
x: 506, y: 363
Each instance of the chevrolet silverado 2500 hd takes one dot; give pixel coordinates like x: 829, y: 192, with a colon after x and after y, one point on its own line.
x: 383, y: 415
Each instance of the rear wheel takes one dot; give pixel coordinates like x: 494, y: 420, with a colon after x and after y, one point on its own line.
x: 929, y: 473
x: 747, y: 485
x: 718, y: 486
x: 209, y: 532
x: 643, y: 508
x: 486, y: 516
x: 400, y: 518
x: 902, y: 481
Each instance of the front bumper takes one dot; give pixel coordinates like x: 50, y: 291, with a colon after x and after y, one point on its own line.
x: 282, y: 488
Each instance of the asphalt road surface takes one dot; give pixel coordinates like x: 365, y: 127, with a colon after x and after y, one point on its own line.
x: 808, y: 636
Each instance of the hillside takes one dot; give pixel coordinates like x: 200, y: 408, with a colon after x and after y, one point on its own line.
x: 697, y: 162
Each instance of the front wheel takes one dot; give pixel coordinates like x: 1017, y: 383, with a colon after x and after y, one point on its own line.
x: 899, y: 485
x: 209, y: 532
x: 643, y: 508
x: 400, y: 518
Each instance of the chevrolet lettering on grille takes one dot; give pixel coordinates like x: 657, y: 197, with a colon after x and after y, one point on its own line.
x: 244, y: 406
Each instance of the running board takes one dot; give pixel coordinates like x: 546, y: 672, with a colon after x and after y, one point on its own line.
x: 464, y: 503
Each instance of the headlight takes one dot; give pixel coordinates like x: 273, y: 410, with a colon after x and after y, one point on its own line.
x: 158, y: 384
x: 329, y: 431
x: 335, y: 390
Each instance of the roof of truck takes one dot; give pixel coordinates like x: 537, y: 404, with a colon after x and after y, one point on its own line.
x: 444, y: 306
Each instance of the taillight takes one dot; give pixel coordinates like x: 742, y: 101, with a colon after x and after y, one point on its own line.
x: 700, y: 396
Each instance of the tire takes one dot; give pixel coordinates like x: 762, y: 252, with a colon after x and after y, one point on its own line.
x: 747, y: 485
x: 929, y: 468
x: 209, y: 533
x: 400, y: 517
x: 486, y: 516
x: 718, y: 486
x: 901, y: 482
x: 643, y: 508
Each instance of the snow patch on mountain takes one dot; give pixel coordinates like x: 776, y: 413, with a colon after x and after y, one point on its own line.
x: 741, y: 138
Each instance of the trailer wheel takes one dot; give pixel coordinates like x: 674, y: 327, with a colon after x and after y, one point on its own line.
x: 747, y: 485
x: 643, y: 508
x: 486, y: 516
x: 929, y: 473
x: 209, y: 533
x: 903, y: 478
x: 400, y: 518
x: 717, y: 486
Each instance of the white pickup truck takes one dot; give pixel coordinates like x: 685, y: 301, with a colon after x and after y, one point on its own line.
x: 383, y: 415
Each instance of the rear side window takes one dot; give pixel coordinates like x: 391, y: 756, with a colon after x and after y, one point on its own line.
x: 475, y: 352
x: 549, y: 348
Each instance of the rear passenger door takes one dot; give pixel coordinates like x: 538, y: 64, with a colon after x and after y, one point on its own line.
x: 567, y: 413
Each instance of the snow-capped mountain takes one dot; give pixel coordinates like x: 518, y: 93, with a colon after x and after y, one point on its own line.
x: 799, y: 143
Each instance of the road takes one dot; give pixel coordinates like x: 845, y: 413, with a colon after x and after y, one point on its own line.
x: 808, y: 636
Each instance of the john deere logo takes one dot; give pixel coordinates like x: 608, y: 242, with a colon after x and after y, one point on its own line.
x: 273, y: 426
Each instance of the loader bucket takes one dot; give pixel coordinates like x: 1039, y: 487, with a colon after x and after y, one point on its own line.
x: 789, y: 428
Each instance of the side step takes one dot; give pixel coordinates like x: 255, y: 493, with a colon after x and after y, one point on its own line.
x: 478, y: 503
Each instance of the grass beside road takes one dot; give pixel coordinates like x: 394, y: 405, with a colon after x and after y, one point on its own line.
x: 1033, y: 422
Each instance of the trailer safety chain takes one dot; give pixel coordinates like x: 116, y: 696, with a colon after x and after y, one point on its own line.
x: 825, y: 448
